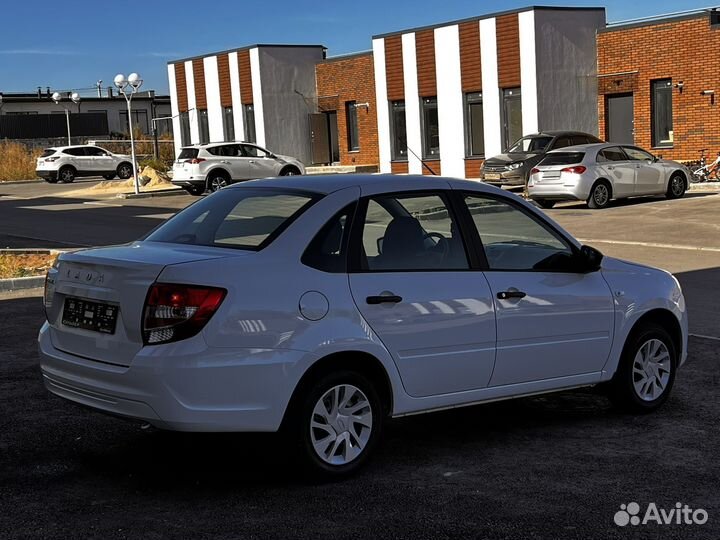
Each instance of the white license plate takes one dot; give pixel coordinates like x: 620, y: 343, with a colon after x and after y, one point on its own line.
x: 492, y: 176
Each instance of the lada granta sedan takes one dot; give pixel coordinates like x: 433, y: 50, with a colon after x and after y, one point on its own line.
x: 321, y: 306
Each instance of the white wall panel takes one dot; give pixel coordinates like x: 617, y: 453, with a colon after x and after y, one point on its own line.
x: 490, y: 85
x: 238, y: 112
x: 528, y: 72
x: 450, y: 101
x: 257, y: 96
x: 412, y: 104
x: 383, y: 111
x: 174, y: 109
x: 214, y: 105
x: 192, y: 104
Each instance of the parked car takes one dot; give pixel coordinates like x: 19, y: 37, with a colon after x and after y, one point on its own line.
x: 209, y: 167
x: 598, y: 173
x: 65, y: 163
x: 513, y: 167
x: 320, y: 306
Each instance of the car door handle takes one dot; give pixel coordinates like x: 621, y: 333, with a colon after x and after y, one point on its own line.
x: 505, y: 295
x: 225, y: 162
x: 383, y: 299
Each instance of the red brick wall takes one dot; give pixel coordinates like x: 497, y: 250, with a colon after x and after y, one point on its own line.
x: 684, y: 50
x: 351, y: 79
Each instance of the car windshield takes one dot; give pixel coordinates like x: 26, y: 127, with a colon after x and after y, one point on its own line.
x: 240, y: 218
x: 562, y: 158
x: 530, y: 145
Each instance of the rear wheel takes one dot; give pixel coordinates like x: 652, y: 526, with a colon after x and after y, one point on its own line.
x: 337, y: 424
x: 544, y: 203
x: 600, y: 195
x: 124, y: 171
x: 676, y: 186
x: 217, y: 180
x: 66, y: 175
x: 646, y: 372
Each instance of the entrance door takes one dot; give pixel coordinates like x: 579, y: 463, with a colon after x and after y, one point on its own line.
x: 620, y: 114
x: 324, y: 138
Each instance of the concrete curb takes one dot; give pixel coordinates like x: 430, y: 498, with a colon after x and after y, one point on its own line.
x: 16, y: 284
x: 705, y: 186
x: 151, y: 194
x: 16, y: 182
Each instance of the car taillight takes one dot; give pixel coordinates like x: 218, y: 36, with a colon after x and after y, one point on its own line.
x: 577, y: 169
x: 534, y: 170
x: 51, y: 159
x: 194, y: 161
x: 174, y: 312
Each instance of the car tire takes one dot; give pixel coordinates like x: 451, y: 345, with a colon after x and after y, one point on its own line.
x: 544, y: 203
x: 195, y: 191
x: 290, y: 171
x: 109, y: 176
x: 600, y: 195
x: 646, y: 372
x: 217, y: 180
x: 124, y: 170
x: 314, y: 425
x: 66, y: 175
x: 676, y: 186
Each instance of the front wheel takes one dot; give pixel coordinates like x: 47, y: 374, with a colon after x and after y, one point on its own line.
x: 646, y: 372
x: 290, y: 171
x: 124, y: 171
x: 676, y: 187
x: 337, y: 424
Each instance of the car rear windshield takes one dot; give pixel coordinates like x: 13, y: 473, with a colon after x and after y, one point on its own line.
x: 242, y: 218
x: 188, y: 153
x: 49, y: 152
x: 563, y: 158
x: 531, y: 145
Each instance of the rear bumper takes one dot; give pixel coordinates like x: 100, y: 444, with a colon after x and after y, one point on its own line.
x: 557, y: 192
x: 45, y: 173
x: 182, y: 386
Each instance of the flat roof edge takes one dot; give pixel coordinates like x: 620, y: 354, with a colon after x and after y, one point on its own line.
x: 612, y: 27
x: 246, y: 48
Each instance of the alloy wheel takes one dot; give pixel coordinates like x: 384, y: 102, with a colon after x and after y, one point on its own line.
x: 125, y: 172
x: 341, y: 424
x: 601, y: 195
x: 66, y: 175
x: 217, y: 183
x: 677, y: 186
x: 651, y: 370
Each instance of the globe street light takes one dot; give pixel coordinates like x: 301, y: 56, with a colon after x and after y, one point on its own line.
x: 75, y: 98
x: 128, y: 87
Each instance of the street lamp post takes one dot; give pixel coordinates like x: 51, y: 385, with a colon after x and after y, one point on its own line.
x: 128, y: 87
x: 75, y: 97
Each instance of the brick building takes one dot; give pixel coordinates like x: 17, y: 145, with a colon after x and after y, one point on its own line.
x: 658, y: 84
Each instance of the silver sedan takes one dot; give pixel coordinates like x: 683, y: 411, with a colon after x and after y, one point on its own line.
x: 598, y: 173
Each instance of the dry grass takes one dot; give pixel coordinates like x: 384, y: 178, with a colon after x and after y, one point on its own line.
x: 15, y: 266
x: 17, y: 161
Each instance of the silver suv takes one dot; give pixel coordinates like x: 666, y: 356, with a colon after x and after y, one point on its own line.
x: 213, y: 166
x: 65, y: 163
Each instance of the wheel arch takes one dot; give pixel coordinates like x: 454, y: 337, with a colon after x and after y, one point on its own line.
x: 681, y: 173
x: 288, y: 167
x: 605, y: 181
x: 664, y: 318
x: 215, y: 170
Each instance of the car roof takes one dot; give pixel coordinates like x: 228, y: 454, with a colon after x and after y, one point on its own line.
x: 73, y: 146
x: 557, y: 133
x: 377, y: 183
x: 588, y: 147
x: 207, y: 145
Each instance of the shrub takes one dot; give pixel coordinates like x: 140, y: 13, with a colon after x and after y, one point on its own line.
x: 17, y: 161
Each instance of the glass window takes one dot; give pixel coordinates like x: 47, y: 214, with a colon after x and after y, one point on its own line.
x: 351, y: 118
x: 474, y: 125
x: 226, y: 150
x: 562, y: 142
x: 77, y: 151
x: 185, y: 128
x: 531, y: 145
x: 430, y: 128
x: 611, y: 154
x: 662, y: 113
x: 411, y: 232
x: 139, y: 120
x: 562, y: 158
x: 204, y: 128
x: 636, y: 154
x: 250, y: 135
x: 512, y: 116
x: 229, y: 124
x: 512, y: 239
x: 327, y: 251
x: 49, y: 152
x: 240, y: 218
x: 94, y: 151
x: 188, y: 153
x: 398, y: 130
x: 253, y: 151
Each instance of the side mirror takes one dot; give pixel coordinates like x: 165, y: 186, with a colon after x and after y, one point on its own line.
x: 591, y: 258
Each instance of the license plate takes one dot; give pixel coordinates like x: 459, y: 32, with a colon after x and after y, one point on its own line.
x: 492, y: 176
x: 87, y: 315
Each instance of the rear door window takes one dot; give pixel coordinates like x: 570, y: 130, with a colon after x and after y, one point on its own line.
x: 49, y: 152
x: 562, y: 142
x: 236, y: 218
x: 188, y: 153
x: 611, y: 154
x: 74, y: 151
x: 636, y: 154
x: 562, y: 158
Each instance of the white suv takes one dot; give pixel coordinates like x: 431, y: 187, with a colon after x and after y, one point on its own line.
x: 213, y: 166
x: 65, y: 163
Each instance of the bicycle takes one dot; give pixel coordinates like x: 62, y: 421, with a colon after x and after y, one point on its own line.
x: 701, y: 171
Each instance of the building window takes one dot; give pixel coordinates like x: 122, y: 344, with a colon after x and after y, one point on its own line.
x: 512, y: 117
x: 398, y: 130
x: 139, y: 121
x: 204, y: 128
x: 185, y: 129
x: 662, y: 117
x: 430, y: 128
x: 250, y: 135
x: 351, y: 118
x: 474, y: 125
x: 229, y: 124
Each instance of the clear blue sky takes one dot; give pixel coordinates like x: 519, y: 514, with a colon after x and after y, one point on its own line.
x: 70, y: 45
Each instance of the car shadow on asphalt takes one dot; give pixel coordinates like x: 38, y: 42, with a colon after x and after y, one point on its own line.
x: 632, y: 201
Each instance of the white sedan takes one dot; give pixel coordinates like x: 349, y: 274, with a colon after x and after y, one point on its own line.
x: 598, y: 173
x: 320, y: 306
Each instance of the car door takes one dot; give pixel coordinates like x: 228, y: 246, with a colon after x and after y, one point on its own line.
x: 552, y: 322
x: 410, y: 278
x: 614, y: 165
x: 98, y: 160
x: 79, y: 159
x: 649, y: 175
x: 262, y: 165
x: 230, y: 158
